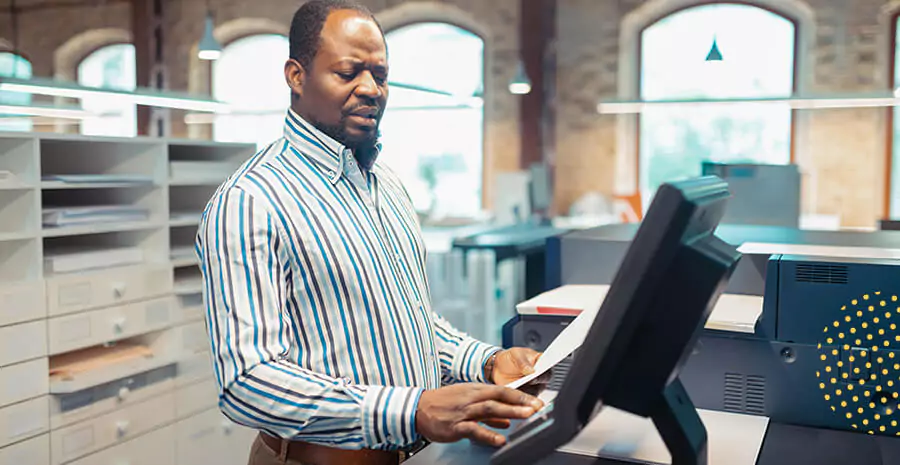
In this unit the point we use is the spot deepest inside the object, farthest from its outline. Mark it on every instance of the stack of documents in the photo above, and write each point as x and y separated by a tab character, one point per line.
98	178
68	216
71	260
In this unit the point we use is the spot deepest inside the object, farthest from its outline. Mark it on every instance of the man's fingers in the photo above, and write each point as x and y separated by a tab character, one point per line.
493	409
498	423
476	432
525	359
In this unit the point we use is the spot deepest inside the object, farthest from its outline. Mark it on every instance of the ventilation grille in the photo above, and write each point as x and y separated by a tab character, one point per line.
559	374
821	273
745	394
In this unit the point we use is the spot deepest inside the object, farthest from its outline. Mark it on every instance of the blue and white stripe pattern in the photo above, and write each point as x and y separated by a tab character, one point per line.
317	304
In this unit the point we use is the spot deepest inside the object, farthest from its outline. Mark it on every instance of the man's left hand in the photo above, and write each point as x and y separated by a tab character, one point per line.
514	363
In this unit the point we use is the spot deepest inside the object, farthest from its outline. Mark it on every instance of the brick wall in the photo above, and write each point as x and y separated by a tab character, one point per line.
841	151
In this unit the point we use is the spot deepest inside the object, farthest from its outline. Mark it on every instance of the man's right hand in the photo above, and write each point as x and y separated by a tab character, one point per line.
454	412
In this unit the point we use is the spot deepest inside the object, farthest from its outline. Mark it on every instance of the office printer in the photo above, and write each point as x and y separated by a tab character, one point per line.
824	351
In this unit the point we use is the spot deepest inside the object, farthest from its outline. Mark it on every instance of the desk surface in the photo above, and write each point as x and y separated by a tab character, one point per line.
783	445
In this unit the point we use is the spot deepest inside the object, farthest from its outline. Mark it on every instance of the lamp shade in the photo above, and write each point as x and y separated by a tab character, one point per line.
520	84
714	53
209	48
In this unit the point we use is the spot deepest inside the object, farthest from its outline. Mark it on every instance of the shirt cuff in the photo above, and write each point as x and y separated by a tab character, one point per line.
468	365
389	416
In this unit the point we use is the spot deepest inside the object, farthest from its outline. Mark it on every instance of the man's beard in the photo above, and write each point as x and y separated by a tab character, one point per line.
364	150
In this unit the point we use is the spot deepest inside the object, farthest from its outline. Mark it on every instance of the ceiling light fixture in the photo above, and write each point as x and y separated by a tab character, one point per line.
209	48
520	85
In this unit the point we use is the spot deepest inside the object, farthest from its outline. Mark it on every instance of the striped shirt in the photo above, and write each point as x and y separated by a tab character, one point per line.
317	303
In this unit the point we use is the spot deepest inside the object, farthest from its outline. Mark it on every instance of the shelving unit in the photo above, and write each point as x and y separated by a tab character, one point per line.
103	352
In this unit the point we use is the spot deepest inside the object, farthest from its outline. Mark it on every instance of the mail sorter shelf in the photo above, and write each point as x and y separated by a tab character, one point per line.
73	255
201	164
91	211
19	165
94	366
77	160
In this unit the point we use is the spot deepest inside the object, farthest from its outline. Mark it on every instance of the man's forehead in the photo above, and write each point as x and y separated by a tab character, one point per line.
349	31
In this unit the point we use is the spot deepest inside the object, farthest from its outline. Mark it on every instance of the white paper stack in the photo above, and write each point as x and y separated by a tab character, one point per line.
68	216
72	260
185	171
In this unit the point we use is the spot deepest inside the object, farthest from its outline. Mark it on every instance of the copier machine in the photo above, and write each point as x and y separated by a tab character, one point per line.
824	354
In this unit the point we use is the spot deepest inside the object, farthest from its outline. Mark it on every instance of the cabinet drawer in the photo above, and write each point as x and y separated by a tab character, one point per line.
23	381
86	291
194	368
154	448
196	397
24	420
84	438
34	451
22	302
72	332
210	437
22	342
68	409
192	337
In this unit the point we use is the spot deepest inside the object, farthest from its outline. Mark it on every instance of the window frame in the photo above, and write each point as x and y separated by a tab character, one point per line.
639	74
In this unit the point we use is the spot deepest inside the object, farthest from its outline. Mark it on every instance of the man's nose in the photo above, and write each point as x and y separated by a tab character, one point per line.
368	87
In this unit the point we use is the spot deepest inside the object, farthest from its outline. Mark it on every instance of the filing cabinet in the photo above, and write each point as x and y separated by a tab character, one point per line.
90	328
24	420
89	436
22	302
34	451
84	291
23	342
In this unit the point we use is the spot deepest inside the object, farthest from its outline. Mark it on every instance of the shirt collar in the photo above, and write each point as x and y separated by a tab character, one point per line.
318	146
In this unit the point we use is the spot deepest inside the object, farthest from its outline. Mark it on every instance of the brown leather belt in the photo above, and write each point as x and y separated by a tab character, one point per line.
314	454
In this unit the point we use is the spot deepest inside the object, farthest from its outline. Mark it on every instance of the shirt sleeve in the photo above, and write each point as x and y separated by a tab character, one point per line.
462	357
244	263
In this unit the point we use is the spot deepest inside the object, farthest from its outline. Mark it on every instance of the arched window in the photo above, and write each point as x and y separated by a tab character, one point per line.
433	137
15	66
894	194
757	51
109	67
249	74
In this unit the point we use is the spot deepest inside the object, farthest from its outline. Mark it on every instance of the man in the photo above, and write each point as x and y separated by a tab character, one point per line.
318	308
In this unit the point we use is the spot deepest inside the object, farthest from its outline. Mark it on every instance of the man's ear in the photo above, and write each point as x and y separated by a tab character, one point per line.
295	76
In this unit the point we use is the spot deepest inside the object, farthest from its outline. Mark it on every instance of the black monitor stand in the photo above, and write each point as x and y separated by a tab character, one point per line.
680	426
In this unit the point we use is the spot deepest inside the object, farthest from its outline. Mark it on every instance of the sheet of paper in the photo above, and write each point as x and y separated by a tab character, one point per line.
736	312
819	250
568	340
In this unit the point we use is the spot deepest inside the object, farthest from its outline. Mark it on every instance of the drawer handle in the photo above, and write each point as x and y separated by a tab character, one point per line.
119	326
123	393
119	290
121	429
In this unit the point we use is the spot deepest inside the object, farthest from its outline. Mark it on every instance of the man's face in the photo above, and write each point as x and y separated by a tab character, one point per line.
344	91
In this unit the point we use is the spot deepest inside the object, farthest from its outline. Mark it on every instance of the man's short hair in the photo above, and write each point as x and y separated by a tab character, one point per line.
306	27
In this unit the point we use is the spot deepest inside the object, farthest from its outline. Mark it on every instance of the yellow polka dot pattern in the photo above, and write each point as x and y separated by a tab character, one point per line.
860	375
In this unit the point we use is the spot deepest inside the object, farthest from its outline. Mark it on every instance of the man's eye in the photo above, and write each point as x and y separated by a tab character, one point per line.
347	76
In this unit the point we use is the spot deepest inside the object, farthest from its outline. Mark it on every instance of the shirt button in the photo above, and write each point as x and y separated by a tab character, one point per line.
345	380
